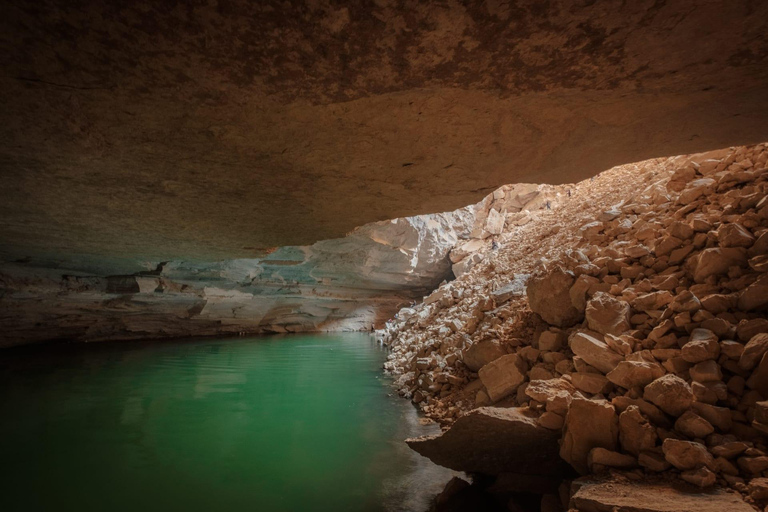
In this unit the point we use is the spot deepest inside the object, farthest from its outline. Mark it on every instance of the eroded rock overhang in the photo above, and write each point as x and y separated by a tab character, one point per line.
209	131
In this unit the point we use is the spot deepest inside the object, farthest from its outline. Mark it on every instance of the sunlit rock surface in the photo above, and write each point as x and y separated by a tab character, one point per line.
351	283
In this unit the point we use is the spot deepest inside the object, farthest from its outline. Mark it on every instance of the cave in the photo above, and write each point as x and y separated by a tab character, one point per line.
384	255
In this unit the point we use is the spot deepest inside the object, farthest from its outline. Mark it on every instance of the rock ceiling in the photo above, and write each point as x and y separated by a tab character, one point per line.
216	129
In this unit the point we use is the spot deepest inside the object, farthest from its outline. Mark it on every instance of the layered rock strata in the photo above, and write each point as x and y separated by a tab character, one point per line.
631	319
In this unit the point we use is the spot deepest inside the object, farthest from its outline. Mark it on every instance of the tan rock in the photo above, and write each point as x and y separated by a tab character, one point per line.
590	383
481	353
552	341
549	296
700	477
670	393
636	433
753	351
594	351
607	315
686	454
694	426
652	301
653	461
717	260
611	459
755	297
758	488
707	371
702	345
502	376
551	420
719	417
593	494
734	235
555	393
589	424
629	374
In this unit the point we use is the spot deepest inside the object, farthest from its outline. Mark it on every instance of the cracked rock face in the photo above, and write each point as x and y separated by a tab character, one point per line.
216	130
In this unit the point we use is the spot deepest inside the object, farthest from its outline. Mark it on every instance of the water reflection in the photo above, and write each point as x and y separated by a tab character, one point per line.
269	424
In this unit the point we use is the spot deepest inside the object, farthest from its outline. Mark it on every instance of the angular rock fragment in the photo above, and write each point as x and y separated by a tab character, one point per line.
594	351
589	424
607	315
549	296
670	393
481	353
686	454
502	376
491	441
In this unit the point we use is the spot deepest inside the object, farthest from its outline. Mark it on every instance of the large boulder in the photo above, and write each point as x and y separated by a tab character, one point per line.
549	296
716	261
481	353
670	393
607	315
502	376
594	351
589	424
595	494
493	440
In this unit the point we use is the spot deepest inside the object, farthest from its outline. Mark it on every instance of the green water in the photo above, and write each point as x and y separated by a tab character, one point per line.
293	423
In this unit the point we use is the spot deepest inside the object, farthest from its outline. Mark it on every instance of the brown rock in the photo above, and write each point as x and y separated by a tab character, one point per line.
755	297
717	261
492	440
636	434
602	457
686	454
734	235
694	426
549	296
753	351
552	341
556	393
700	477
629	374
702	345
607	315
670	393
707	371
593	494
590	383
758	488
481	353
502	376
589	424
594	351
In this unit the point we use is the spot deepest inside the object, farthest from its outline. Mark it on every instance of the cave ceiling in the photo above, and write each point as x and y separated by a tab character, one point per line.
218	129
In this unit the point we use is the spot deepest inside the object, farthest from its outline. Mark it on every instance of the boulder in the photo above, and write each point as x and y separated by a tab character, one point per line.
549	296
610	459
491	441
590	383
755	296
607	315
589	424
555	393
686	454
551	341
700	477
693	425
636	433
481	353
594	351
629	374
596	494
502	376
702	345
734	235
717	260
670	393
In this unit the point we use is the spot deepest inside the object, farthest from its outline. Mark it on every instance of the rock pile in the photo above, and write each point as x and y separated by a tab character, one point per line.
642	335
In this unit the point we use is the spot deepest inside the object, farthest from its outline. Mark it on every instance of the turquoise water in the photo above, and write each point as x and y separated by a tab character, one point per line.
291	423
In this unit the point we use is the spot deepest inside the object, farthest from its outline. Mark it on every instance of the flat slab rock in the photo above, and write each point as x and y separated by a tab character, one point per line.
495	440
595	495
